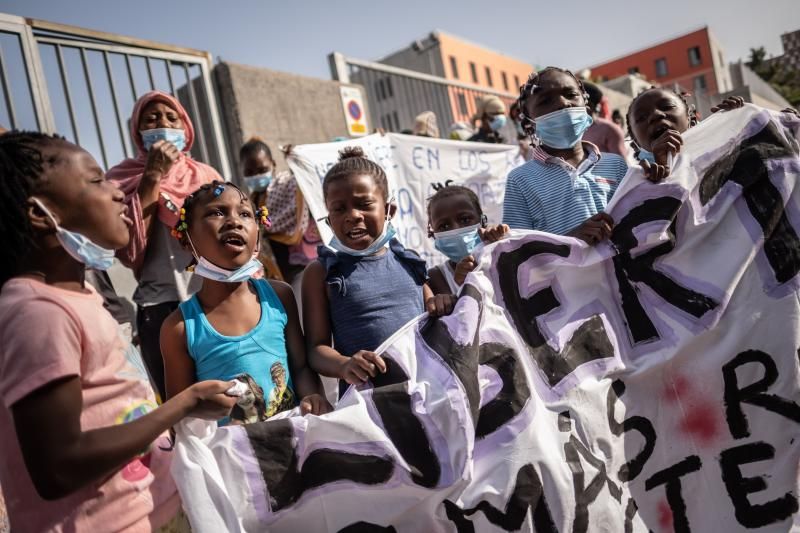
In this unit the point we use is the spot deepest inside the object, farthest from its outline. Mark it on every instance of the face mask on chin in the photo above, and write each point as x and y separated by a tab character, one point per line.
381	241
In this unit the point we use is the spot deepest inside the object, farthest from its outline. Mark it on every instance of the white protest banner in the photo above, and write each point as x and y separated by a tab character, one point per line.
649	383
413	164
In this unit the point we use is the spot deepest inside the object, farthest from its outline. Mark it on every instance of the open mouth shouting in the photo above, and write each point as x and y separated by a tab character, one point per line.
234	241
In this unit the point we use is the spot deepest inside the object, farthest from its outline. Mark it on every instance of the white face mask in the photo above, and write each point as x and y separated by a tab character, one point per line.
207	269
79	246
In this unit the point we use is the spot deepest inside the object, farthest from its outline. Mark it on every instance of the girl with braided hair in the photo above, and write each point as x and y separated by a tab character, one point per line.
567	183
234	324
84	446
371	286
656	118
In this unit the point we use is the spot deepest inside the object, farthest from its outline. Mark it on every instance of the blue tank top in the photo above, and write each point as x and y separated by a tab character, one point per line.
371	297
261	352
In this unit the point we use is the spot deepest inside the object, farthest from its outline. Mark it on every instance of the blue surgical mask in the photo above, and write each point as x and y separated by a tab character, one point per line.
80	247
563	128
383	239
259	182
497	122
207	269
645	155
458	243
175	136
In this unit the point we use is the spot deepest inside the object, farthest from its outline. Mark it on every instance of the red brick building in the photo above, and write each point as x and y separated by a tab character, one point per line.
694	61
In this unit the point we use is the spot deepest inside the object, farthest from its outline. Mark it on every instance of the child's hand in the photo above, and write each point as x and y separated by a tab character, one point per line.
594	229
315	404
464	267
494	232
441	304
361	366
731	102
653	171
209	401
669	142
791	110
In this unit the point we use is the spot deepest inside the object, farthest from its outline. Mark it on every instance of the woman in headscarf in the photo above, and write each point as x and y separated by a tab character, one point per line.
155	184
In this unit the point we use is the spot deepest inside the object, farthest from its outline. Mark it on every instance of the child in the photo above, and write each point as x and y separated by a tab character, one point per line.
566	185
656	118
457	224
78	423
234	325
371	286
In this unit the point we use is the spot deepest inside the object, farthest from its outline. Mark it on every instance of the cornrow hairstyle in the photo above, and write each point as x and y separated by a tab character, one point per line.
352	161
205	193
691	112
22	166
253	146
529	88
448	190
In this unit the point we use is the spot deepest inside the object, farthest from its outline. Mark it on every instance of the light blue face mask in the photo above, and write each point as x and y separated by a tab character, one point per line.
563	128
497	123
259	182
207	269
80	247
175	136
645	155
458	243
383	239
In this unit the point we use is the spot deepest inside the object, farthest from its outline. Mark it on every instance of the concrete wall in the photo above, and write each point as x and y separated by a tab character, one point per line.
280	108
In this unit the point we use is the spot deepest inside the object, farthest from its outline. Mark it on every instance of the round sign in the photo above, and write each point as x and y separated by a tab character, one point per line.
354	109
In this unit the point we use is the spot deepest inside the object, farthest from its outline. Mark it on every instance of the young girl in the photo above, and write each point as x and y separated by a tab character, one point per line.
371	286
567	183
457	224
78	423
656	118
234	324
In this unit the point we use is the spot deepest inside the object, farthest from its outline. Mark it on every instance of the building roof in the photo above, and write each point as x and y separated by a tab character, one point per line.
647	47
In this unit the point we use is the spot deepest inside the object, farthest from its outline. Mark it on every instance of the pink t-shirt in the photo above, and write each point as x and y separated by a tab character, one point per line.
48	333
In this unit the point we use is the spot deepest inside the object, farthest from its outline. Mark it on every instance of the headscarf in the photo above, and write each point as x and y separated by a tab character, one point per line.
425	124
183	178
488	105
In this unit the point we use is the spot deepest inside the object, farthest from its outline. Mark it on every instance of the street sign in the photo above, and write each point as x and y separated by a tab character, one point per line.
354	115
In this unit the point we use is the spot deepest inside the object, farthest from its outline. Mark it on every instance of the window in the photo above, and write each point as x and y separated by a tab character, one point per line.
700	83
505	80
721	59
694	56
633	70
462	104
454	67
389	92
474	72
396	121
661	67
517	84
488	77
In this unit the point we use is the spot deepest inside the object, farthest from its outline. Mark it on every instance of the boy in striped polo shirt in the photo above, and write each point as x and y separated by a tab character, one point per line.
567	183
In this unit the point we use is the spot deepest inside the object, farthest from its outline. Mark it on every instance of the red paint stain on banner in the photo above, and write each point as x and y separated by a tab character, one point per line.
702	423
665	516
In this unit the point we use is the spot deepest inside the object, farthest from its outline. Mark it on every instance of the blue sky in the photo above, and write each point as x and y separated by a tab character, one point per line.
296	36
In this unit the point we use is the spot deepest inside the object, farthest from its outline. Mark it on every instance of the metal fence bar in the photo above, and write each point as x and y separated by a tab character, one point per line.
67	94
169	77
198	119
7	92
123	134
93	103
130	77
149	73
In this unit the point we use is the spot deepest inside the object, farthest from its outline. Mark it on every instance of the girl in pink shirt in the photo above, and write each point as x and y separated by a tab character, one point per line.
83	444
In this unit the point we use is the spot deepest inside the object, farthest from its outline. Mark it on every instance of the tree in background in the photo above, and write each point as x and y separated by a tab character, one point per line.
783	79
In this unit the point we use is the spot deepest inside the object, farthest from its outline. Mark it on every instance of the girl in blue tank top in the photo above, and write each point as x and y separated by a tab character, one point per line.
357	297
236	326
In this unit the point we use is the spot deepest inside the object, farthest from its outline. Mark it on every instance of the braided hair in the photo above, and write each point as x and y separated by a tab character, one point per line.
447	190
22	166
352	161
529	88
691	113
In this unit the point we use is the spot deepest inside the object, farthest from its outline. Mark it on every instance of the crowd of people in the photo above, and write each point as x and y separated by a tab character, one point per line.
86	426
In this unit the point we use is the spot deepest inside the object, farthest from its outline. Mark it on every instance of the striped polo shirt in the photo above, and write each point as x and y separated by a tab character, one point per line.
549	194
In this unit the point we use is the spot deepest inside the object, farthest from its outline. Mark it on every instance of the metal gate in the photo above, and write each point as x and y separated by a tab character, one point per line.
395	95
82	84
